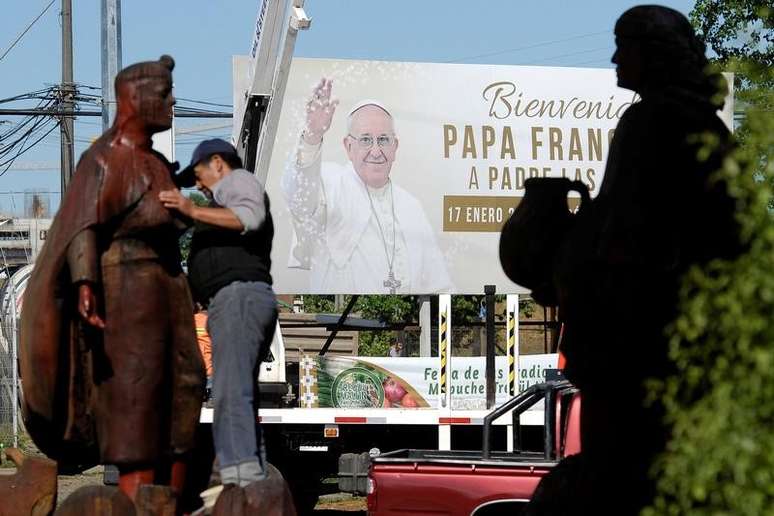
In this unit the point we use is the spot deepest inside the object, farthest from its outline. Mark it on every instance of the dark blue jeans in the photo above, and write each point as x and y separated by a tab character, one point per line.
241	320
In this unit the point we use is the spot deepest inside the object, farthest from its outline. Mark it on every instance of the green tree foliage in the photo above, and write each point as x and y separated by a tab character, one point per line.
467	308
319	304
720	402
401	309
388	309
739	30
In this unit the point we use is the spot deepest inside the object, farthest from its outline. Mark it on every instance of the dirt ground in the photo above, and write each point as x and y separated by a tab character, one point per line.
341	503
338	504
68	484
329	505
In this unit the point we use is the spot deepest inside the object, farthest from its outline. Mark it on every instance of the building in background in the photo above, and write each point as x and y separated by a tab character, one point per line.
21	239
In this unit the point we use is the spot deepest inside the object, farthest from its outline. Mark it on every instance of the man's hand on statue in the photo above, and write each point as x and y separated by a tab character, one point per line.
87	306
319	112
177	201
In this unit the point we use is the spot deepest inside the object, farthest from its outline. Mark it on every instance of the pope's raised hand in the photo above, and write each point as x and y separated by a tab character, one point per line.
319	112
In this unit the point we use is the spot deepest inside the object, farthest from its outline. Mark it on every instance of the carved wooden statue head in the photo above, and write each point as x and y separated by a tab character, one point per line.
658	48
144	95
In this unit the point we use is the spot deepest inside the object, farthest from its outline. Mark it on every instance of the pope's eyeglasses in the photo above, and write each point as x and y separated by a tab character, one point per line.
366	141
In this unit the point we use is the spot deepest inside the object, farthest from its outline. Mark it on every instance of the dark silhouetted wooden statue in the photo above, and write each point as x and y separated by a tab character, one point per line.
110	367
616	272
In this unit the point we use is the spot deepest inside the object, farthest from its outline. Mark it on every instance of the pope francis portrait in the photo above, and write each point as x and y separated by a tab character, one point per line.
356	230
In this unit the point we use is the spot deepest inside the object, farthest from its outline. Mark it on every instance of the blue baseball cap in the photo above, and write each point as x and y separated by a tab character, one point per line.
186	178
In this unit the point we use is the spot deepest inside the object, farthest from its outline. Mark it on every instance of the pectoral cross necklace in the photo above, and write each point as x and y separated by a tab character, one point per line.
391	282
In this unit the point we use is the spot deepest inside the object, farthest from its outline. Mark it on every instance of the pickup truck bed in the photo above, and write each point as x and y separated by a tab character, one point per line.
434	482
481	482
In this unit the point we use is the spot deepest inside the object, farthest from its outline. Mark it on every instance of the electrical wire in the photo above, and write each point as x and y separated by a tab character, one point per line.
570	54
20	36
20	142
7	164
45	93
31	130
204	102
528	47
592	61
98	98
31	119
19	137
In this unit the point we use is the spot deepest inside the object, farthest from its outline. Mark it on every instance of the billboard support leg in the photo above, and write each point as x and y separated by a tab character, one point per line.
444	351
444	437
489	290
341	320
512	344
425	330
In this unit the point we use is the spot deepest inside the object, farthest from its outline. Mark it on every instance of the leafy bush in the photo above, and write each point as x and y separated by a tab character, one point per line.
720	402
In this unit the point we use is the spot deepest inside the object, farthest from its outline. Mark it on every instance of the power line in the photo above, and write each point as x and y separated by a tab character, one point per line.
201	128
560	56
20	36
45	93
217	104
16	140
89	122
592	61
35	166
22	150
52	109
179	113
536	45
98	98
55	93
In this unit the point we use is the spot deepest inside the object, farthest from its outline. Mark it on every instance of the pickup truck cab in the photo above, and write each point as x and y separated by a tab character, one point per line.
482	482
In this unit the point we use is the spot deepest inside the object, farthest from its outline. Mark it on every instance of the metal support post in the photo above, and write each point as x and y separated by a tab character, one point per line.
341	321
424	326
444	349
111	57
512	328
491	386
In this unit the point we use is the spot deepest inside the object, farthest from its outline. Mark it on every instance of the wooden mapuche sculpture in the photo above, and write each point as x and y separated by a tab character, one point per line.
616	270
110	367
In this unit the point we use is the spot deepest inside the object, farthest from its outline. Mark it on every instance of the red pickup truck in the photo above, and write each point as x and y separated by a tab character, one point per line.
478	483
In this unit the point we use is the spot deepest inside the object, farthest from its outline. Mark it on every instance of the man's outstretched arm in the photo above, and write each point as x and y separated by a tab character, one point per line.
240	198
221	217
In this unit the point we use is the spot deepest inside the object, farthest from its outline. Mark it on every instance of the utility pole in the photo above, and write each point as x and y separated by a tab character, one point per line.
111	57
67	90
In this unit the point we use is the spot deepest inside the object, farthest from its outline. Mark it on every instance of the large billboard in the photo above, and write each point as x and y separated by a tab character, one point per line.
419	167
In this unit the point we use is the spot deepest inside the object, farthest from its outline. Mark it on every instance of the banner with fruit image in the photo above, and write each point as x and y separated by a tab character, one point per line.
344	382
410	382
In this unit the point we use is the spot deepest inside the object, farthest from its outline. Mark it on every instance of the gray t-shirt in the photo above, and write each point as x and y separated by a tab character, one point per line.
241	192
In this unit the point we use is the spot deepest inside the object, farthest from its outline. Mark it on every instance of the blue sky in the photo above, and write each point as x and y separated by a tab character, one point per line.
202	35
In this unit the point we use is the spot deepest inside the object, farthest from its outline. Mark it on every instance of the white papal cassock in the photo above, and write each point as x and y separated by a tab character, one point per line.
337	235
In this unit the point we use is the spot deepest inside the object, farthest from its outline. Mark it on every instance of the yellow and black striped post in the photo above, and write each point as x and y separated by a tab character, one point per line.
443	348
511	353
